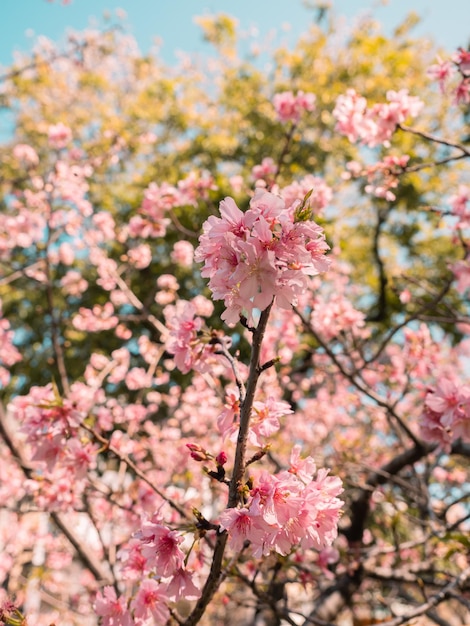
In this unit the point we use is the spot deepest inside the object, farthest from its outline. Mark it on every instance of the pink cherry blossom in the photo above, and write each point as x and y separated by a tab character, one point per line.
265	171
9	354
462	59
73	283
289	107
183	253
441	71
181	586
265	419
140	256
461	270
97	319
112	609
319	198
59	135
26	154
243	528
161	548
446	414
150	602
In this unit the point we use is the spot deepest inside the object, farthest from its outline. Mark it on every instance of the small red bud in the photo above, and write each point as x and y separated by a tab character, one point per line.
221	458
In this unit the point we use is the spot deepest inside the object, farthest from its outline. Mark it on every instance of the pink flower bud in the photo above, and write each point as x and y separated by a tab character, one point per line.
197	453
221	458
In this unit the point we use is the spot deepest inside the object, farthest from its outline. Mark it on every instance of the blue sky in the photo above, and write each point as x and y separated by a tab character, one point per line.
448	21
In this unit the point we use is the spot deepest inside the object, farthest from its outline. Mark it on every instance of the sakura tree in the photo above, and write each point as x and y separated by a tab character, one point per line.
234	337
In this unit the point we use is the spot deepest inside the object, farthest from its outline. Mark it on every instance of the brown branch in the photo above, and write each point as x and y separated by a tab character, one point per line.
246	407
433	601
434	139
216	575
380	314
423	166
360	506
179	226
337	595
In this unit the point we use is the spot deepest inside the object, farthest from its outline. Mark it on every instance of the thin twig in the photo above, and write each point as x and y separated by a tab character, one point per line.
131	465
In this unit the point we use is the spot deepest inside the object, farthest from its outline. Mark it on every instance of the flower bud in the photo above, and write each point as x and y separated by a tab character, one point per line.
221	458
197	453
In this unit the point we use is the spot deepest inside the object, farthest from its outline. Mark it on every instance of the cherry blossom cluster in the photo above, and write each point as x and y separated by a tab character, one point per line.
375	125
319	193
59	135
461	271
290	107
296	507
460	211
152	220
265	253
334	315
51	423
190	351
9	354
264	173
444	69
382	176
460	206
154	560
446	415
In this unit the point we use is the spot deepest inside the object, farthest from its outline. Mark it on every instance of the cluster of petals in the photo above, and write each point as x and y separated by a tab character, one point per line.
160	199
161	548
265	253
59	135
184	325
265	172
462	60
264	420
335	315
382	176
319	198
299	507
26	154
97	319
9	354
51	425
441	71
375	125
111	609
444	69
21	230
151	603
460	206
461	271
290	107
446	415
68	184
182	253
155	550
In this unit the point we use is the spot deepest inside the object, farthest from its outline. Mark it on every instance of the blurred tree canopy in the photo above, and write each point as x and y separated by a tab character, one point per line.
138	121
